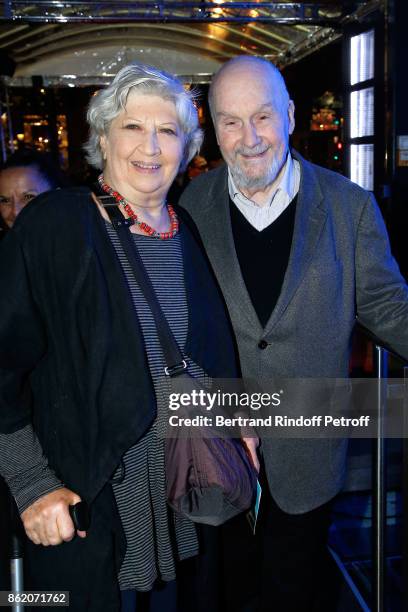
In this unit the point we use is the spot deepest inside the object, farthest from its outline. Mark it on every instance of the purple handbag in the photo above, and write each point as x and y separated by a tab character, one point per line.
209	479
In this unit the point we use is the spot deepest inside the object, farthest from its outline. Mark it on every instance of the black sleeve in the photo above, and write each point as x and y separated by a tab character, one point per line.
22	335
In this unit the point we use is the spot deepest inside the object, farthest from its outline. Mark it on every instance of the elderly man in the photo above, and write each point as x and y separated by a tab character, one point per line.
299	252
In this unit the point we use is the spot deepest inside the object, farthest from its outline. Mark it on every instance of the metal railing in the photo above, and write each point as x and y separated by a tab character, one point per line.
379	488
324	14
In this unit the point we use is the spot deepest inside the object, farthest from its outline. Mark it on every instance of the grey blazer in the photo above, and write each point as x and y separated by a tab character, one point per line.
340	268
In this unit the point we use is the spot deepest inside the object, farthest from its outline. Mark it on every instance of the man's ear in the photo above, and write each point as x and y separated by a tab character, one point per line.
291	116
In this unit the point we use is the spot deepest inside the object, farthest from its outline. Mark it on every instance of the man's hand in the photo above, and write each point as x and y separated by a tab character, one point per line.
47	520
251	445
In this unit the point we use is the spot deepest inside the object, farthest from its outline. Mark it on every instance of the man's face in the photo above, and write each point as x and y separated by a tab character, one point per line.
253	120
18	186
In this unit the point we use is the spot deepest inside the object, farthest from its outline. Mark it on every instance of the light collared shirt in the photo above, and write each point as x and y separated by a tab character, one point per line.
262	216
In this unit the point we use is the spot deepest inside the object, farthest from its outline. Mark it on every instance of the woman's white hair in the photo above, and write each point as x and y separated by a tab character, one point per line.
137	78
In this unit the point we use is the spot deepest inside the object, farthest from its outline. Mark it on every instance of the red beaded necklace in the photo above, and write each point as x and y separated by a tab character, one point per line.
174	223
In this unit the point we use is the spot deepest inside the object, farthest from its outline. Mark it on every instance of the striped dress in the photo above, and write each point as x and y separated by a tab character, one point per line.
155	536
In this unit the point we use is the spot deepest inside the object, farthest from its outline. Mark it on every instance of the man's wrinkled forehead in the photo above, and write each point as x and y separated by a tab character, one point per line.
248	78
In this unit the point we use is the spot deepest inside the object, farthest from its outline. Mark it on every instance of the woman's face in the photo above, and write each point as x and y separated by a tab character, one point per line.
17	187
143	149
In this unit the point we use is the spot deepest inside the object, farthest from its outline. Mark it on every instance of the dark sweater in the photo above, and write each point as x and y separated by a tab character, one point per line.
263	255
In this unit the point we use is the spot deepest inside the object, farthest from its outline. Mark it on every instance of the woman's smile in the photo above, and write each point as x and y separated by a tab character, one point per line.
146	167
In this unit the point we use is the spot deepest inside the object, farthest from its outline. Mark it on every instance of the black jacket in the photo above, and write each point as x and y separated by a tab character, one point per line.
71	350
72	359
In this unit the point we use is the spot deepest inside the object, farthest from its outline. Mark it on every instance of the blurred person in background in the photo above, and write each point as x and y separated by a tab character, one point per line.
25	174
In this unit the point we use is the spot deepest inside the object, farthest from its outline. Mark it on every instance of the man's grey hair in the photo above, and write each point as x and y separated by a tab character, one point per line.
140	79
281	93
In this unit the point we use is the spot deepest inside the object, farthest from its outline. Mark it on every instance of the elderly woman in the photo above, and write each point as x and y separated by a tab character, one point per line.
81	361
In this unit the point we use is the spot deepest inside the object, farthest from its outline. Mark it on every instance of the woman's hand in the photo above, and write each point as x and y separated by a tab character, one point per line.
251	445
47	521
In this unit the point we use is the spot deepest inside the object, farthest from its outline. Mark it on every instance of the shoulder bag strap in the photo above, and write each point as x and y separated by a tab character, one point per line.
175	362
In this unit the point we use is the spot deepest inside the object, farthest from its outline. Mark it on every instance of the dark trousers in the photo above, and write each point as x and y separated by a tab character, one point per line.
198	586
283	568
163	597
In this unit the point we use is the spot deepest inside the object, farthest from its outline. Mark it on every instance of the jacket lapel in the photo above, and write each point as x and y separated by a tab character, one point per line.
214	221
310	219
216	231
